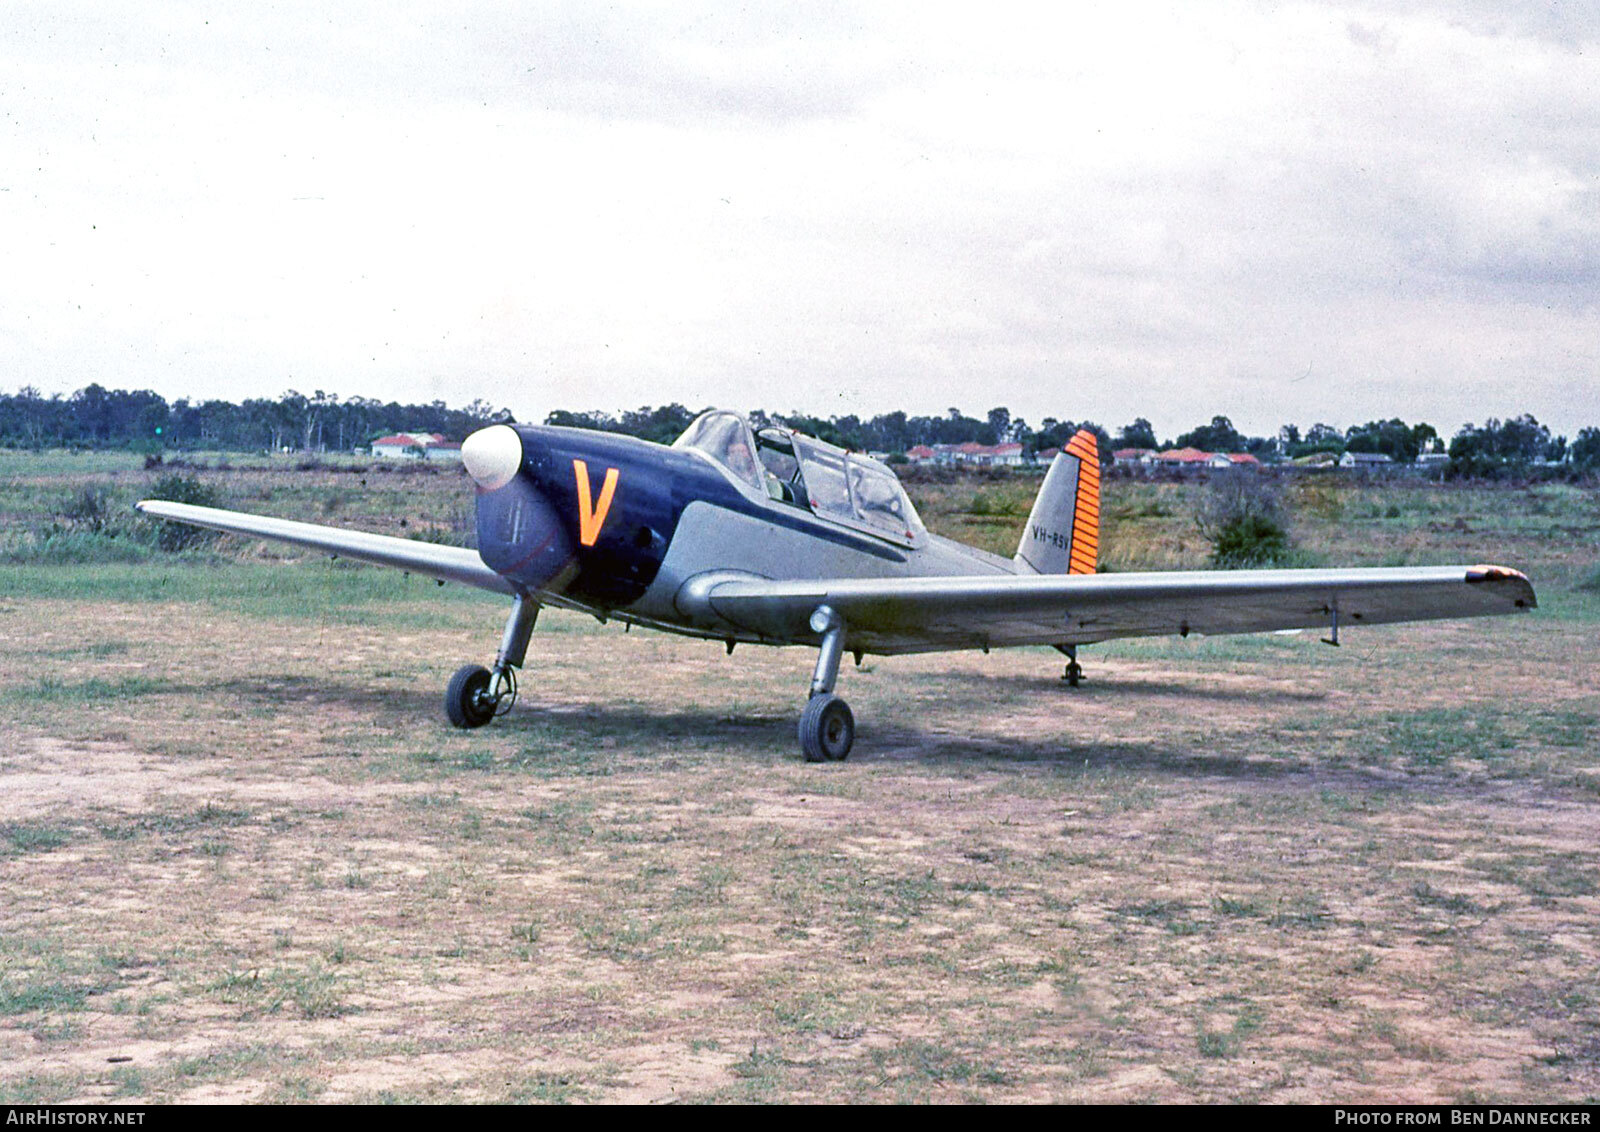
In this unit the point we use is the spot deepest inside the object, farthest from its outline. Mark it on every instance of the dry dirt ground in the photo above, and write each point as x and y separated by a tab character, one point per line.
243	859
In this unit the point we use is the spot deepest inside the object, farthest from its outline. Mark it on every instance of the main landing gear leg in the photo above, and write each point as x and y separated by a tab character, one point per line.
1074	673
476	695
827	729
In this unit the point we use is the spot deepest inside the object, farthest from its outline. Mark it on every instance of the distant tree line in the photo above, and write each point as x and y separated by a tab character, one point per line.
95	417
890	432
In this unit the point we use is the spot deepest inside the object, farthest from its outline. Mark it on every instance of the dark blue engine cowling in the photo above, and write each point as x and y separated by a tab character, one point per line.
522	536
531	528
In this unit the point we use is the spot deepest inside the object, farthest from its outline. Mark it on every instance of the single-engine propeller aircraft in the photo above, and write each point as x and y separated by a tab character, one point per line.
767	536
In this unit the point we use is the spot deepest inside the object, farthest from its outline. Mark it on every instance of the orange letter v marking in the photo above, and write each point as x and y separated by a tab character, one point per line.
592	516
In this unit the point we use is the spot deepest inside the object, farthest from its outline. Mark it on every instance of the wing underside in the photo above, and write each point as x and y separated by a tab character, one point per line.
447	563
932	614
903	615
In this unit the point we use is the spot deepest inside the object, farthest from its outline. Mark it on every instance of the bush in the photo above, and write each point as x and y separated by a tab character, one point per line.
179	488
1242	516
1249	540
91	510
92	525
60	547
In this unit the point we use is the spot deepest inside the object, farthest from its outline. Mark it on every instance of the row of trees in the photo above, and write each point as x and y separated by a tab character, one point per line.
1394	438
1520	441
1477	451
95	417
890	432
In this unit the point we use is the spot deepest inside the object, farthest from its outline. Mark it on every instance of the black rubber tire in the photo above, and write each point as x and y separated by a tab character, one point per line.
465	701
827	729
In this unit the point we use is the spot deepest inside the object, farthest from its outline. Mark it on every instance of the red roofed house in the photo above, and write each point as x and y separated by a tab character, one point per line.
996	455
972	454
989	455
1194	458
1187	457
415	446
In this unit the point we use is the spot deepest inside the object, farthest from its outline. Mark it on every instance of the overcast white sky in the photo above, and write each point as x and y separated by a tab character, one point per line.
1274	211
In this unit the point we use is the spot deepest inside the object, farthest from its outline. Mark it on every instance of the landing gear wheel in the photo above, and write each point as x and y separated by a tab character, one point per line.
1074	674
467	701
827	729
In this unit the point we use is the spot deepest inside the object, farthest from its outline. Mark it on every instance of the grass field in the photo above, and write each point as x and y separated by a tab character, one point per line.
243	858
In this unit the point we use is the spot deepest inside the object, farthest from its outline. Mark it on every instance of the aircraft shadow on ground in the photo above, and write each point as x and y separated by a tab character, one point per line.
316	690
1125	687
633	730
905	744
295	689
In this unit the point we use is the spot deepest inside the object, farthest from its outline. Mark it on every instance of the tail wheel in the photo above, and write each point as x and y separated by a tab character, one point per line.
467	701
827	729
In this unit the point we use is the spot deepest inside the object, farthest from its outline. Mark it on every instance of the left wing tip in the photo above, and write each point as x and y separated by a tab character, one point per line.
1484	572
1488	573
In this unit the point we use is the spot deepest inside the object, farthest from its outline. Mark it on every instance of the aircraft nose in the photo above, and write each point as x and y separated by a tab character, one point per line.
492	456
521	535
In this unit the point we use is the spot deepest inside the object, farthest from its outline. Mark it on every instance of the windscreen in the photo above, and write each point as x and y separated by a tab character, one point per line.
726	439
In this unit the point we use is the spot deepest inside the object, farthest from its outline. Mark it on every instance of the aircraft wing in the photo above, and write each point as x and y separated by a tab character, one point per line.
449	563
893	615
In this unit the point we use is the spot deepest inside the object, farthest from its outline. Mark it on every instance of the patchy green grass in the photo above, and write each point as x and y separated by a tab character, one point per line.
316	591
238	845
308	992
1437	736
33	837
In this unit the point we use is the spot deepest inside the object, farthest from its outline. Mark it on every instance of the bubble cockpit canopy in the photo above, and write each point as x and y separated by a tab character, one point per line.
727	439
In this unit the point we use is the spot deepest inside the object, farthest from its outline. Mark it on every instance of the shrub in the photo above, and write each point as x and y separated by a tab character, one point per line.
92	525
1242	516
91	510
1249	540
60	546
179	488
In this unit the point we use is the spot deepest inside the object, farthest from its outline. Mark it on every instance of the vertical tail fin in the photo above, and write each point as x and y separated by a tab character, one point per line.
1063	531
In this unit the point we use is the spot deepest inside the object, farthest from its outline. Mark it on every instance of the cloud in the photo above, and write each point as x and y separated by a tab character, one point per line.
1100	211
1564	24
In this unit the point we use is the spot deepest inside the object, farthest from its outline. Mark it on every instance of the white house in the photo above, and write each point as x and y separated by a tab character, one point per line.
1364	460
970	454
416	446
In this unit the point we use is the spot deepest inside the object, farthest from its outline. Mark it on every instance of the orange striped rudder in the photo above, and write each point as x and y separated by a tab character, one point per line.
1063	531
1085	553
